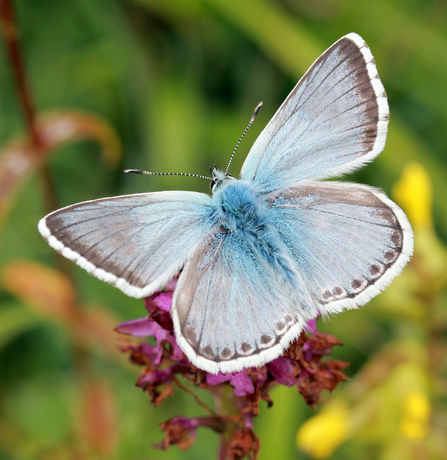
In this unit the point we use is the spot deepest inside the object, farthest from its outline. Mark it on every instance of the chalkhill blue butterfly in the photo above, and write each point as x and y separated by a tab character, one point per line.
271	250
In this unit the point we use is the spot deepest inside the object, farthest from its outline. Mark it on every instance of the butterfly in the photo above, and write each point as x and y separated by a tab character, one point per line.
273	249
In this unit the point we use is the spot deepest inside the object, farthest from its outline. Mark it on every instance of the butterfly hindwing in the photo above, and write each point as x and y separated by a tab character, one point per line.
348	240
332	122
231	309
135	242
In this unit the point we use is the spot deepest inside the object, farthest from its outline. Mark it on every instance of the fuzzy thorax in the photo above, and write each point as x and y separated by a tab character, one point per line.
243	213
238	207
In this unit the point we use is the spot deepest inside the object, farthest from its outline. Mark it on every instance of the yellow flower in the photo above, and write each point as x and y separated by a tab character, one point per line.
415	420
414	193
322	434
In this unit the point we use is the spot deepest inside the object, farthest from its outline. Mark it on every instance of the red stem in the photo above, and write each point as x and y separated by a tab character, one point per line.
11	34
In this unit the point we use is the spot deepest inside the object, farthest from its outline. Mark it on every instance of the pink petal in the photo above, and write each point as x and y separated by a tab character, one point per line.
141	327
242	384
282	370
213	379
164	301
312	325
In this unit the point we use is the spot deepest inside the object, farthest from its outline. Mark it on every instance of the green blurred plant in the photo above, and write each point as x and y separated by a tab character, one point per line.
176	79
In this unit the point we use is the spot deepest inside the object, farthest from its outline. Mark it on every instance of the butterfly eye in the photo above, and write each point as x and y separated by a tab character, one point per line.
215	184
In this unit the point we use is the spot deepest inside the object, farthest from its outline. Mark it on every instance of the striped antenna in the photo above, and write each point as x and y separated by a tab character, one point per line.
150	173
252	119
139	171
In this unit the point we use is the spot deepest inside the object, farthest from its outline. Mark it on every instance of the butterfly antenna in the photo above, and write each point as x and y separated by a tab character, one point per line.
139	171
252	119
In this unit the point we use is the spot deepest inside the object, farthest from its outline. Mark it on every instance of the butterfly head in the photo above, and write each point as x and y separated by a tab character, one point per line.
219	178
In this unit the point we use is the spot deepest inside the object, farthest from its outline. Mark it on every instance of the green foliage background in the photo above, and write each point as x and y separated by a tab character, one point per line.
178	80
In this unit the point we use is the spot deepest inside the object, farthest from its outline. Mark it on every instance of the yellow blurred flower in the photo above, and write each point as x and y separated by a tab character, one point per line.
416	414
414	193
322	434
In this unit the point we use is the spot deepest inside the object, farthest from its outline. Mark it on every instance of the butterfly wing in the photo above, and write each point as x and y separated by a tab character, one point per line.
135	242
230	310
349	241
333	121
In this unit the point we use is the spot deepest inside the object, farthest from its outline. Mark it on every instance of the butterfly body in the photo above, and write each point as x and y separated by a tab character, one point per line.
244	214
270	250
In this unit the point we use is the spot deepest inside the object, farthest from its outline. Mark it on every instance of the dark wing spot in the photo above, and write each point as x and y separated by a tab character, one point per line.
375	271
226	353
265	339
246	347
390	256
207	352
356	284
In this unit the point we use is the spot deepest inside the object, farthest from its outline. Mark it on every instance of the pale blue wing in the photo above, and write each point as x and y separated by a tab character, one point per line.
349	241
333	121
231	309
135	242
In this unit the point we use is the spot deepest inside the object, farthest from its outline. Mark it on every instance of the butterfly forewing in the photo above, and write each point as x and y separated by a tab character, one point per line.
333	121
135	242
349	241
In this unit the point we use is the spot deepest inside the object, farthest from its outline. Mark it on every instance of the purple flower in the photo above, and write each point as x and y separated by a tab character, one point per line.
179	430
141	328
240	381
312	325
158	324
182	431
283	371
301	366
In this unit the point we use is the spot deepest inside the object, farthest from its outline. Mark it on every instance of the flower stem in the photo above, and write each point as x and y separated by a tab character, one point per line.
198	400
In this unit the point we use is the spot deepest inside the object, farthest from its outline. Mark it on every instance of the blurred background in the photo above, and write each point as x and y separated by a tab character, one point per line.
169	85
